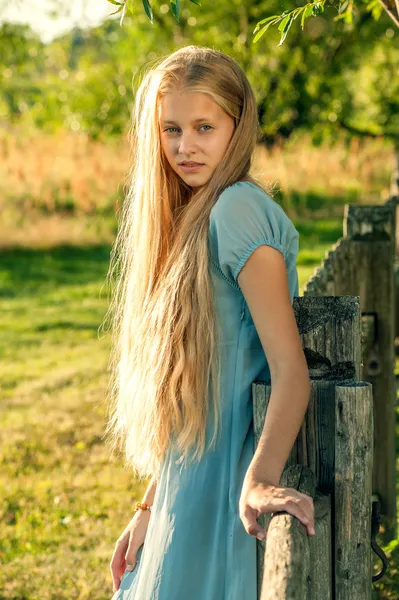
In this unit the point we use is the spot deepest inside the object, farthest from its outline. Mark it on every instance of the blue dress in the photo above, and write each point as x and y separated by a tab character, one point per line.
196	547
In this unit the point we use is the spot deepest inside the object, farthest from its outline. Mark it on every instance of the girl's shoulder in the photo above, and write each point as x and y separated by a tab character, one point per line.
243	218
243	201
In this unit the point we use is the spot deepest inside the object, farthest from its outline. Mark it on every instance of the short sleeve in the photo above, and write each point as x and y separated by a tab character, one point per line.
243	218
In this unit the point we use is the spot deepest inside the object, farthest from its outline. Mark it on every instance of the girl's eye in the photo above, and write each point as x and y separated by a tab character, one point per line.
169	128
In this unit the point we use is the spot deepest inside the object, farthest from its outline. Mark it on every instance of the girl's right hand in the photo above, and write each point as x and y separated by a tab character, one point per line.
259	497
128	544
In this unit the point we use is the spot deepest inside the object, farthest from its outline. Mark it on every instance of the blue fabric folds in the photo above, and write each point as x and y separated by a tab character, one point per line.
196	547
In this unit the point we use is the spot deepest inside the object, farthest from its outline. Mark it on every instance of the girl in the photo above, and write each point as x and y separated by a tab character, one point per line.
207	276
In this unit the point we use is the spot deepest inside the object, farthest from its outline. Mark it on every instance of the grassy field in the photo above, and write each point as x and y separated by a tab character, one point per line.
63	502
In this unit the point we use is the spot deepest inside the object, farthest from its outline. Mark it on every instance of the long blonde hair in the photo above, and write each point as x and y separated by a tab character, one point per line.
165	330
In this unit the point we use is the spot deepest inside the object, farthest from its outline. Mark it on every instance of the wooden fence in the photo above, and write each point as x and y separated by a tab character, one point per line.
344	455
362	263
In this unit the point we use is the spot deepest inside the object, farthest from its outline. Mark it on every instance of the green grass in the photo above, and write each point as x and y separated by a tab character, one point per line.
63	502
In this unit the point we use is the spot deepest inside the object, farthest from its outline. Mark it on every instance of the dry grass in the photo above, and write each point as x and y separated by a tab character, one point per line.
33	165
66	188
364	168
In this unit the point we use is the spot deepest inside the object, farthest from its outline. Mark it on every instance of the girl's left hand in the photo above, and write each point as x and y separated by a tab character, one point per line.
258	497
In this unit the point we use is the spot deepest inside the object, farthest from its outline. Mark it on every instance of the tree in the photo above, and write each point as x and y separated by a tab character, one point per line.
348	89
348	10
323	82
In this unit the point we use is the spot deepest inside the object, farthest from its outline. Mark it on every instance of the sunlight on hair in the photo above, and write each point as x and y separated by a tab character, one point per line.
165	359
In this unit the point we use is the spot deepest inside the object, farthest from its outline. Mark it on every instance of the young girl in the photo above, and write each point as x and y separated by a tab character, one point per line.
207	275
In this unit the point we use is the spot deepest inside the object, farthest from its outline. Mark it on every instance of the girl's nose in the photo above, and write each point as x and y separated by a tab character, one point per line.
186	143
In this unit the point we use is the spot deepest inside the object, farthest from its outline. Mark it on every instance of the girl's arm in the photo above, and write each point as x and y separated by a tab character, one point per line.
264	283
148	497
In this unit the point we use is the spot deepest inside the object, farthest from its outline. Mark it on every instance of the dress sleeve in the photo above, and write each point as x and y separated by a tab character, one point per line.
243	218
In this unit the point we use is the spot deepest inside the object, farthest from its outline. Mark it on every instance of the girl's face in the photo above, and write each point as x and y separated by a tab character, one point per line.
193	128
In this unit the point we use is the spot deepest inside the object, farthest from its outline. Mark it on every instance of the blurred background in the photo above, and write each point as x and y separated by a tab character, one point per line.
328	101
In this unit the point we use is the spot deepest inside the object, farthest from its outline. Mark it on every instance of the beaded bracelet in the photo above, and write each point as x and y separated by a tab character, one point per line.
142	506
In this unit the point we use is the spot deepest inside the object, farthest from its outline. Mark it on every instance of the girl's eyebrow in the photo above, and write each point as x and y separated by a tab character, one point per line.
167	122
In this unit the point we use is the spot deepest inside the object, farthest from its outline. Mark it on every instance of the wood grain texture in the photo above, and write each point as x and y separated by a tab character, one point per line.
363	263
298	566
353	491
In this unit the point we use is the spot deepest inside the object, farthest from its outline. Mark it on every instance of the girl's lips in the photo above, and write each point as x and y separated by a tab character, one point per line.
191	169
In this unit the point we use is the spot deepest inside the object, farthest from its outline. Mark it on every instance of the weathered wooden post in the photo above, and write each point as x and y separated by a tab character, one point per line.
291	564
297	565
362	264
370	231
353	490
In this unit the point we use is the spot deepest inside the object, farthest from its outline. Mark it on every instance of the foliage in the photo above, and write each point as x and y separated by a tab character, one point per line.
346	9
313	9
323	81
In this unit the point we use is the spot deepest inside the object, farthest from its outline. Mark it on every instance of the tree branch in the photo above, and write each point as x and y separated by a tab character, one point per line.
390	13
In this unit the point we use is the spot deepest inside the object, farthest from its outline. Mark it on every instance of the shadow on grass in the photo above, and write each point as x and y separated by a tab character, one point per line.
313	232
32	271
68	325
26	271
306	204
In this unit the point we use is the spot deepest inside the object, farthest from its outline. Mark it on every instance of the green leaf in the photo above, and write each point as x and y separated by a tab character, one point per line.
285	30
349	17
377	11
117	11
197	2
123	14
263	30
375	8
115	2
148	10
264	21
318	8
289	12
175	8
283	23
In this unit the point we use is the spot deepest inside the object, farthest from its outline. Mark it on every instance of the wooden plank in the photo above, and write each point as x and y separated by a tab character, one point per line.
320	546
353	490
330	330
369	271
